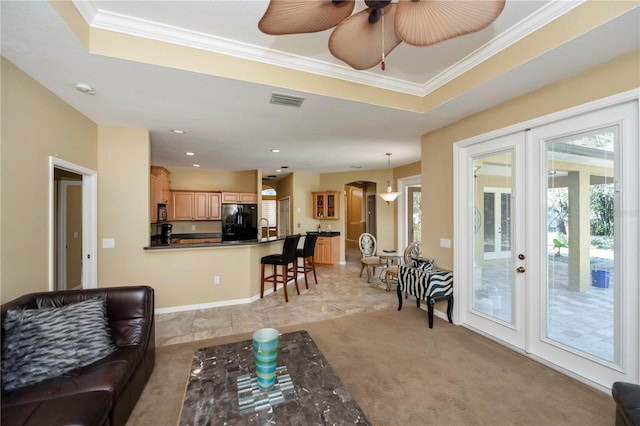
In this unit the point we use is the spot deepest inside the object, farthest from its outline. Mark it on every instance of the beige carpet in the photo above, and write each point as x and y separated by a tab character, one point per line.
403	373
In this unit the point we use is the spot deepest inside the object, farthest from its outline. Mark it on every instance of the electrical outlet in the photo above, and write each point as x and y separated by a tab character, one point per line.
216	280
193	227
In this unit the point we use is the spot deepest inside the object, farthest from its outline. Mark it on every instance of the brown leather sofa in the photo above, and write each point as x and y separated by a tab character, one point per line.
104	392
627	398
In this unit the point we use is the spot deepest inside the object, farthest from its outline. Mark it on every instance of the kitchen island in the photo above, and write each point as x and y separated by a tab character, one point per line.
209	275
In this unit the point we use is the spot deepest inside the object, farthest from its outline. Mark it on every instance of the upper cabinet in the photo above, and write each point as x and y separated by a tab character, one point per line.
240	197
190	205
159	190
182	205
326	205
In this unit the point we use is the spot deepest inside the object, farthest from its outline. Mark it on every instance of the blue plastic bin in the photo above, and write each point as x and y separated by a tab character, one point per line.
600	278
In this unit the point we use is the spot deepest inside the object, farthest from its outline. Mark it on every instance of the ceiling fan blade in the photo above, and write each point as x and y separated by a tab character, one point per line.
303	16
427	22
359	43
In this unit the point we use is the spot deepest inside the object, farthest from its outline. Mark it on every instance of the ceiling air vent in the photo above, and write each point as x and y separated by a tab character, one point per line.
286	100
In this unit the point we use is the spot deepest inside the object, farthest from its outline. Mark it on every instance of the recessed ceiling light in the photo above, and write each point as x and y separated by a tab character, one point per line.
196	165
178	131
190	154
284	167
275	150
278	170
85	88
356	167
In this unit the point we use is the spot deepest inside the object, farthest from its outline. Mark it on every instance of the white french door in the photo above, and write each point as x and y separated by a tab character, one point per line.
496	292
549	248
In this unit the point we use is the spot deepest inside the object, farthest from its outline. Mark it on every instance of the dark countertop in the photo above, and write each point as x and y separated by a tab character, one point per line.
176	245
175	238
325	233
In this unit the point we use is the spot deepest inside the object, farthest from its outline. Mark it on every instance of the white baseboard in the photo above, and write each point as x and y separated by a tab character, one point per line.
185	308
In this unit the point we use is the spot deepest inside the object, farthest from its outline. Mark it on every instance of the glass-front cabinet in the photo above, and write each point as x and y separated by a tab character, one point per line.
326	205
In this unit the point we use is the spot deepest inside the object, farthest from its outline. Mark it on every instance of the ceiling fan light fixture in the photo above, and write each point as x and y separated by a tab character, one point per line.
356	39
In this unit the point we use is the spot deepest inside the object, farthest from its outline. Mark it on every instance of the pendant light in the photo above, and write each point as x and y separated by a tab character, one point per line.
389	196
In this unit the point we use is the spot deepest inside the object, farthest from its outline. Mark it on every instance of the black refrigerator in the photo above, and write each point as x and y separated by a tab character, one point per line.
239	222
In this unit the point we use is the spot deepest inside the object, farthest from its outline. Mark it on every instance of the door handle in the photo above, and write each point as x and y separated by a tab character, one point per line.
520	269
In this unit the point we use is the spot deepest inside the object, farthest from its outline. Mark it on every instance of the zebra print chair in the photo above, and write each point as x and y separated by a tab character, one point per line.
431	286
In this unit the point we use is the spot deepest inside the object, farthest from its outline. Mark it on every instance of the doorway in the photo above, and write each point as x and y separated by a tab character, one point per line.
360	211
545	242
409	210
284	217
69	230
85	241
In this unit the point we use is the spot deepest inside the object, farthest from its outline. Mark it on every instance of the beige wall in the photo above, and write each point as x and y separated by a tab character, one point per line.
212	180
181	277
74	236
35	125
302	207
614	77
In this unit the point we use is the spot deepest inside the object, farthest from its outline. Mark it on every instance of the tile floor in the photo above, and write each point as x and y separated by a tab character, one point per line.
340	291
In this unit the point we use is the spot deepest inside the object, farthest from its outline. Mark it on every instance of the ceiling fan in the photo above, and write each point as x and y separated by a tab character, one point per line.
362	40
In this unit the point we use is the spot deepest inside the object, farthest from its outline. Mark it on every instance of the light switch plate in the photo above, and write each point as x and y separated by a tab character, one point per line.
108	243
445	243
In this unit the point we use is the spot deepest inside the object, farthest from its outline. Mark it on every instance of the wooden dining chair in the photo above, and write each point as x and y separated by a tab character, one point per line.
413	250
369	260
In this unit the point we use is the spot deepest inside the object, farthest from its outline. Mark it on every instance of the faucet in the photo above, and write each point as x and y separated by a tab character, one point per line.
260	223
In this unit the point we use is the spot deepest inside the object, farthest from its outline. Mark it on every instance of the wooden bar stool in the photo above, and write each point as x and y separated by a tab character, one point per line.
286	258
306	254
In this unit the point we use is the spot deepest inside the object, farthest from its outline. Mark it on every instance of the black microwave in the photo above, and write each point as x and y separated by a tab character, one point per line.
162	212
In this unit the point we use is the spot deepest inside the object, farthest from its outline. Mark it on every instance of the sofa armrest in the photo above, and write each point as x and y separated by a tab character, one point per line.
627	397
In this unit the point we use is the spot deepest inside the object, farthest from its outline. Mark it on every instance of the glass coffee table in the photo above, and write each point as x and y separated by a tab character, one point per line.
221	388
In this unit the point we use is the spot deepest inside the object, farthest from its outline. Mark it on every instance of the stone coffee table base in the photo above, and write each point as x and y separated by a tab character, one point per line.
212	396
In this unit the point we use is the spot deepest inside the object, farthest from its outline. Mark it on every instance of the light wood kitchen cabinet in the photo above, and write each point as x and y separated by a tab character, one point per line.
182	205
153	203
215	206
327	251
159	190
326	205
240	197
191	205
201	206
162	185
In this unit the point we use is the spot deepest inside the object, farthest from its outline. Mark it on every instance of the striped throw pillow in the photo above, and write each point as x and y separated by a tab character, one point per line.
40	344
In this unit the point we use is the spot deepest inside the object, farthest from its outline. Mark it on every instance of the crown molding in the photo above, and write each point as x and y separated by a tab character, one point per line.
517	32
138	27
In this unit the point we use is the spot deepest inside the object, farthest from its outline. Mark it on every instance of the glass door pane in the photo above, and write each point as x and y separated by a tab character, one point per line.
414	213
581	239
493	267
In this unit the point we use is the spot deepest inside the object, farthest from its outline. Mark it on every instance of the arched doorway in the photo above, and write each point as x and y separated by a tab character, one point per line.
360	211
